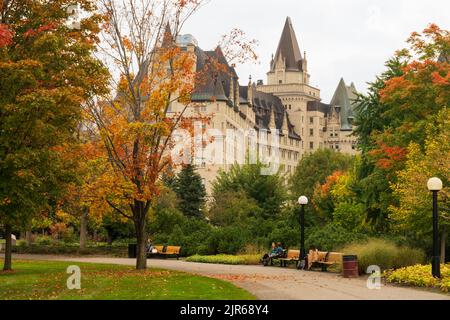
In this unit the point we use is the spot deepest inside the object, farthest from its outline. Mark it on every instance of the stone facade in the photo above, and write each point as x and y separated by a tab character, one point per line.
286	114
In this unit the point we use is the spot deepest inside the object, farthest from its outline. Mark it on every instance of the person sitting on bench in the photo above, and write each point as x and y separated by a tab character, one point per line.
276	252
313	256
150	247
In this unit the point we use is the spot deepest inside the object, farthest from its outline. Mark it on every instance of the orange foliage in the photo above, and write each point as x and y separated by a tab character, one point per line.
388	156
6	36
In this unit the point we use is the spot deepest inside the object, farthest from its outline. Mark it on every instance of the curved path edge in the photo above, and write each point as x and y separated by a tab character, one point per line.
273	283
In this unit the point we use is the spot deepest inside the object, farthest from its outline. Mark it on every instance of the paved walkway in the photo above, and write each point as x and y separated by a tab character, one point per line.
273	283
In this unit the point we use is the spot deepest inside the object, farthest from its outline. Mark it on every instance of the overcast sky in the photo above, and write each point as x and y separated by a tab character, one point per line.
342	38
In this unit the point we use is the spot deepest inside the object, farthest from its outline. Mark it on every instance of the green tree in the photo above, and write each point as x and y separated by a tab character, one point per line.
233	208
47	71
268	191
191	192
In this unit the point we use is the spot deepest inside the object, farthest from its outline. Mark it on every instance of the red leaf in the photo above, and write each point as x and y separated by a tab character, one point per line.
5	36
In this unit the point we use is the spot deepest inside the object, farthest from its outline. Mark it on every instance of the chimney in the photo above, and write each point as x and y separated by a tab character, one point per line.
250	91
236	90
231	93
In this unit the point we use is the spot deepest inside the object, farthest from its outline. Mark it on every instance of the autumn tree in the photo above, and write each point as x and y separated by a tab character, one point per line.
135	123
395	111
82	199
412	215
314	169
47	71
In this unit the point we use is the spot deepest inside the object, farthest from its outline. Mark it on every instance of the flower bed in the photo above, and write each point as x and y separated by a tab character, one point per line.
420	276
248	259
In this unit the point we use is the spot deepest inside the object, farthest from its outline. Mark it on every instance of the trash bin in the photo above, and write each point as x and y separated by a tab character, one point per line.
132	250
350	266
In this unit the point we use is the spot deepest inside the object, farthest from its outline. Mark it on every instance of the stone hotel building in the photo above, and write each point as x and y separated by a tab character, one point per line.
286	109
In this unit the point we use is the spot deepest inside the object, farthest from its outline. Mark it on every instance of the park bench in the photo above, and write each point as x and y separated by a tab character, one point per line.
291	256
166	251
327	259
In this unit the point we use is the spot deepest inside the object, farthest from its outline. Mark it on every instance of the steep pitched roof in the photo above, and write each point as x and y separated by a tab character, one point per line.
267	108
288	49
216	82
167	39
318	106
344	97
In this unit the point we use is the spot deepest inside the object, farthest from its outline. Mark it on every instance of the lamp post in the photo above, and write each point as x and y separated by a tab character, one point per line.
435	185
302	201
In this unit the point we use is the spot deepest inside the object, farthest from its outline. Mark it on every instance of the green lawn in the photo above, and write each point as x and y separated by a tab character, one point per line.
47	280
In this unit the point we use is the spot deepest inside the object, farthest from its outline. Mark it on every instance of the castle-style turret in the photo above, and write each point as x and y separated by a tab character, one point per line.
288	66
288	51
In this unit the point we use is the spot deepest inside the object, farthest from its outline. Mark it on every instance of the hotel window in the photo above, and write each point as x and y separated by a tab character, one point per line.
311	132
289	155
311	145
289	169
311	120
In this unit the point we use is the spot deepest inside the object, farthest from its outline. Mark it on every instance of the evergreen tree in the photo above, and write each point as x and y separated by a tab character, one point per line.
191	192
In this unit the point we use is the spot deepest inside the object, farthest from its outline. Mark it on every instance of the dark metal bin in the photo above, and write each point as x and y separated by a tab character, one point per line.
132	250
350	266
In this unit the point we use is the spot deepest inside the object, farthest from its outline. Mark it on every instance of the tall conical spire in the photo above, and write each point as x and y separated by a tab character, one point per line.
167	36
288	49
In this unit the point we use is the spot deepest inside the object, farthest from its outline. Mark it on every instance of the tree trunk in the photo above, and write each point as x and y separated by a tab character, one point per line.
28	237
8	250
443	238
141	235
83	227
109	238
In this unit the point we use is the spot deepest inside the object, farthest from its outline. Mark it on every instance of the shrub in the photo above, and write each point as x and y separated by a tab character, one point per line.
229	240
331	237
420	276
383	253
71	250
247	259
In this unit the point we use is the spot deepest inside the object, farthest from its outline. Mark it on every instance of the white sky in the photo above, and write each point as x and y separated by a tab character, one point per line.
342	38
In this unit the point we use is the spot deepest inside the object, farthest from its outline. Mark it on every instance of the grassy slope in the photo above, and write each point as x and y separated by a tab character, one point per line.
47	280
